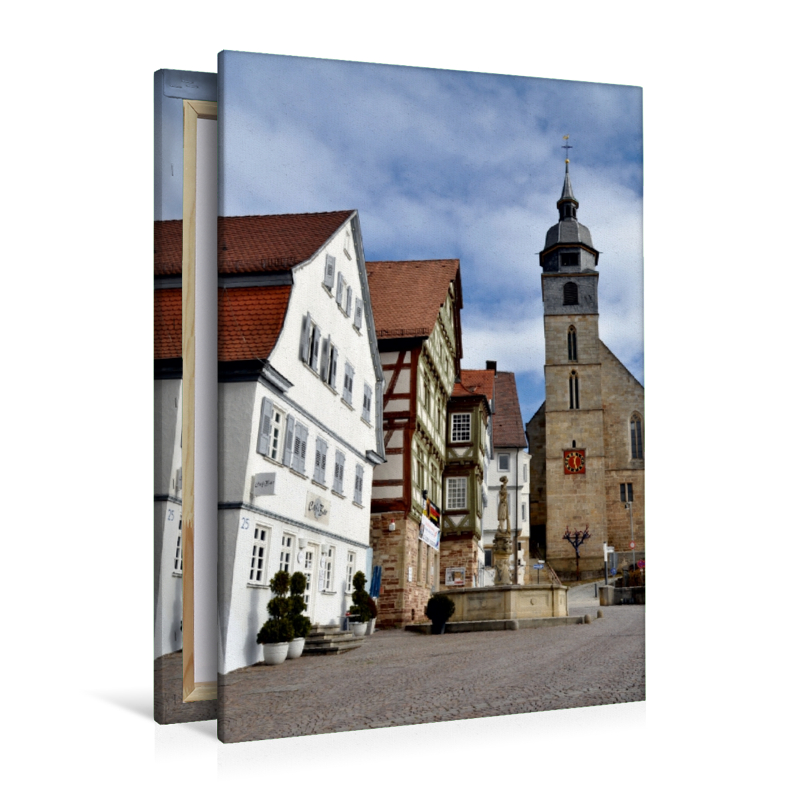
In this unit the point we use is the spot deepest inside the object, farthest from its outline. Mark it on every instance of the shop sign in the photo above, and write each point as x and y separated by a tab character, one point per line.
317	508
429	533
264	483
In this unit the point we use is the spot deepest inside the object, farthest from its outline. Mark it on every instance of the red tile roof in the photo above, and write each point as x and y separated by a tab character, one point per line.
168	246
250	320
167	324
407	295
273	243
475	382
507	427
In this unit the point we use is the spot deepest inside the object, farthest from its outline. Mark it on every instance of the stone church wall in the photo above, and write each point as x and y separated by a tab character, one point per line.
622	396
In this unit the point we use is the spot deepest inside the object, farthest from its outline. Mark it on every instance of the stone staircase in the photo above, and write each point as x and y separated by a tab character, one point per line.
329	640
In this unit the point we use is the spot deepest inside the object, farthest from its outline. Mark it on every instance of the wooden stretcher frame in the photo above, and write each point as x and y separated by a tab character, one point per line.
193	110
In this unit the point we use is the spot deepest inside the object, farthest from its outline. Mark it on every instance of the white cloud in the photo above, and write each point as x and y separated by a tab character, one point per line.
443	164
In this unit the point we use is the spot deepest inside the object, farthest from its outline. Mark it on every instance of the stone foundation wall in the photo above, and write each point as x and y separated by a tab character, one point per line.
459	551
401	601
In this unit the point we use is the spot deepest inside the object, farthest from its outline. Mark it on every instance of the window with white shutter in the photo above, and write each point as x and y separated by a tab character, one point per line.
264	427
314	348
359	487
288	443
333	367
330	269
338	473
349	304
339	289
347	392
366	410
299	449
309	342
320	459
359	313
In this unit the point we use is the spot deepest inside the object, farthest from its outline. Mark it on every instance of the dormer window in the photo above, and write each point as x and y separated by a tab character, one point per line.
570	294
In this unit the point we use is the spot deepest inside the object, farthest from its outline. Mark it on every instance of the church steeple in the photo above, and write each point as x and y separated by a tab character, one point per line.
567	206
568	246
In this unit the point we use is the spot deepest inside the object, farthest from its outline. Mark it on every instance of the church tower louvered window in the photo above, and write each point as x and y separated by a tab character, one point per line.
570	294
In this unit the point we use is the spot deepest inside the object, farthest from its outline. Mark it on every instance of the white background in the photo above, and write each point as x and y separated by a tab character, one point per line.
720	277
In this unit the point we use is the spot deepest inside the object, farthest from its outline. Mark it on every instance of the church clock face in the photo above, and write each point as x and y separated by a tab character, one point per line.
574	462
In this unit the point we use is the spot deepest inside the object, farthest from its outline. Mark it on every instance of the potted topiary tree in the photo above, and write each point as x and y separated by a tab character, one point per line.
277	632
361	610
438	610
300	623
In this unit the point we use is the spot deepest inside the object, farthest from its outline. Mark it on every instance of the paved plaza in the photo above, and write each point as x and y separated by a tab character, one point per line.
400	678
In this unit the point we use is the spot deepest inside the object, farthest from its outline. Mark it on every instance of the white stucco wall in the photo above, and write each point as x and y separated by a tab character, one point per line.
167	516
322	410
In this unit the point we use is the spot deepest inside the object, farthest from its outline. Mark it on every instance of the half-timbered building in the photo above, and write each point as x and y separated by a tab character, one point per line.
416	306
467	456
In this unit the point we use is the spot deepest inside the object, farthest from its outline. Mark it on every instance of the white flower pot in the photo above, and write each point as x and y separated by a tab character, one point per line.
358	628
371	627
296	648
275	653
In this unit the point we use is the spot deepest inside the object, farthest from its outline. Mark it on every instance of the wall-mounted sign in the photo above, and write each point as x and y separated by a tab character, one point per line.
317	508
455	576
574	462
263	483
429	533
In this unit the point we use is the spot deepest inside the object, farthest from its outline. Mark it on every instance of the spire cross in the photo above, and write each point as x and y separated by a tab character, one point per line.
567	146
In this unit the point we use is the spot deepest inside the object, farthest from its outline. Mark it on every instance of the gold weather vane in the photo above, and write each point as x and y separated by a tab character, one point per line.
567	147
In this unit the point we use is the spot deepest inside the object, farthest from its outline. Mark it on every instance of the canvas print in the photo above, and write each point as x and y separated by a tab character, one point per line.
431	402
184	671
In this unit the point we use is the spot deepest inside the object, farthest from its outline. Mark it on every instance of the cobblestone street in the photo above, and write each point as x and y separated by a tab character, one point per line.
400	678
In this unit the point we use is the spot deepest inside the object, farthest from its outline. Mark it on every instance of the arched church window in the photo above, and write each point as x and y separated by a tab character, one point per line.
570	294
636	437
572	343
574	396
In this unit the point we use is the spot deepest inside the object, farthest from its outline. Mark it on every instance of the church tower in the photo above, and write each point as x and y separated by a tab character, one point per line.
574	454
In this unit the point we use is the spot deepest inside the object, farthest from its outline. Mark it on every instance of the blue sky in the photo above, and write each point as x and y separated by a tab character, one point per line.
444	164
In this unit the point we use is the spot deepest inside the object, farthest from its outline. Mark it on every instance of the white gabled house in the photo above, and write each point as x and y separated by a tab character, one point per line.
300	431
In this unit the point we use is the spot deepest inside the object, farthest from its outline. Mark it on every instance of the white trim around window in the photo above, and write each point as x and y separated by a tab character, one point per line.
456	493
460	427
